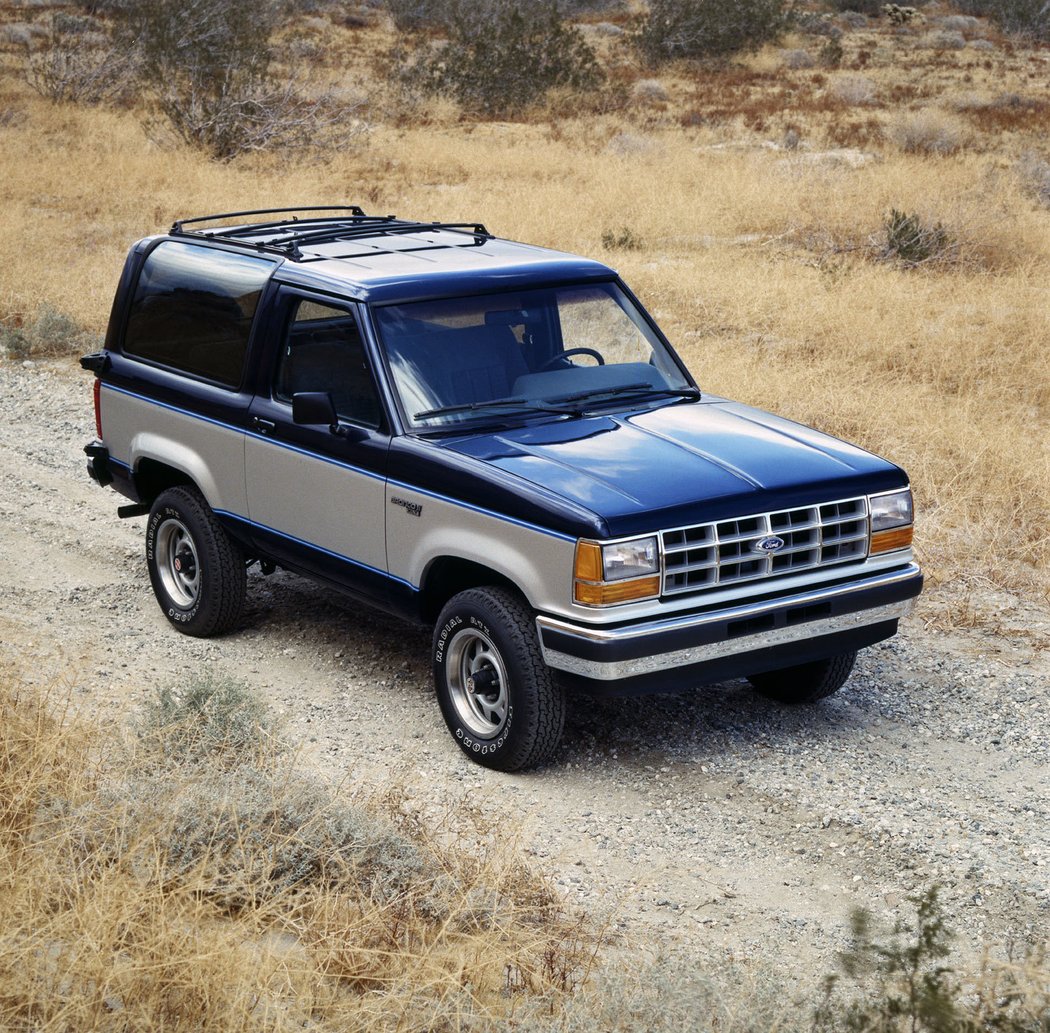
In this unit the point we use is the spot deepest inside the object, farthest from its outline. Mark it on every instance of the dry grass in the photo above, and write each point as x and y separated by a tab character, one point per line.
758	261
140	894
138	891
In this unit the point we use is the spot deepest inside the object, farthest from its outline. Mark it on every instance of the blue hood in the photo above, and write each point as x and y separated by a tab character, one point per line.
682	464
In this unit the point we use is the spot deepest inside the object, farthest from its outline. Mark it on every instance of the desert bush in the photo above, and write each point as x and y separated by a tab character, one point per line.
1026	19
854	90
854	19
959	23
868	7
623	239
796	59
78	63
897	15
51	333
649	91
817	24
709	28
913	242
505	58
926	132
207	69
1033	170
412	15
209	717
944	40
14	34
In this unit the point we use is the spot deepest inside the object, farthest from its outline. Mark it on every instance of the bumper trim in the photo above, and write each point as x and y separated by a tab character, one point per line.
612	654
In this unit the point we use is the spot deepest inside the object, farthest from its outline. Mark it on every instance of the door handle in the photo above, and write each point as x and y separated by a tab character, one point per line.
263	426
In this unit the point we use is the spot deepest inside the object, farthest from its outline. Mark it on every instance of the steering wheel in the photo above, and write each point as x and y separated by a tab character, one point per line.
551	363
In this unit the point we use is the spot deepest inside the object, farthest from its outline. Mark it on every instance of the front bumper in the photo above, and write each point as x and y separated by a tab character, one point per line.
731	642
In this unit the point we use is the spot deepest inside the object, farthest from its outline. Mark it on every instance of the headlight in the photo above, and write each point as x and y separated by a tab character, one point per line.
630	559
620	572
892	516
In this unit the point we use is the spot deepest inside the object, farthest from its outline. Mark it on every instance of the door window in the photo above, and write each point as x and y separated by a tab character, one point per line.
323	351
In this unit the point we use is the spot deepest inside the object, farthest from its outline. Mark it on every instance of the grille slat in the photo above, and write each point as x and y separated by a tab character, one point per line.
720	553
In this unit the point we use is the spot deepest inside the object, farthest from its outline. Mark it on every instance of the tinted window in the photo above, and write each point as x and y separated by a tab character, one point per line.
323	352
193	310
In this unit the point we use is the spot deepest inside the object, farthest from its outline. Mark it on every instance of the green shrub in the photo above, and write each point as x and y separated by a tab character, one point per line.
913	242
507	56
902	985
709	28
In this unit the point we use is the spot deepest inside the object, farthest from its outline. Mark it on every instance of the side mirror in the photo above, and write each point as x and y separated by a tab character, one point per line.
312	407
315	407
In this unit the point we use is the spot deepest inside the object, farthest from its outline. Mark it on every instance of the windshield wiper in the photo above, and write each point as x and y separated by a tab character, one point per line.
642	390
496	403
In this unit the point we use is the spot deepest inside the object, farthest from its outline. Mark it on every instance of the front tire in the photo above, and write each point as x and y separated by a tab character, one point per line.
196	569
499	699
806	683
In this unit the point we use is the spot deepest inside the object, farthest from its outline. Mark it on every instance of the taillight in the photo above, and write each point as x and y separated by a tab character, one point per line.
98	408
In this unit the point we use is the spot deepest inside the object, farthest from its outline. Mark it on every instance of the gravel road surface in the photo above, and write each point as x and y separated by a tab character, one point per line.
722	823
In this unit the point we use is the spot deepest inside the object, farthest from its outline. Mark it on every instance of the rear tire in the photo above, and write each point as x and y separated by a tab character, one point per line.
805	683
196	569
499	699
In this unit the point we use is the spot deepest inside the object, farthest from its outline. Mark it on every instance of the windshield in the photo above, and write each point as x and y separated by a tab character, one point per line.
468	359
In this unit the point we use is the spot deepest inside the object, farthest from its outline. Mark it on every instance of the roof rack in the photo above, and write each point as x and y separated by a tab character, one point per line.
353	209
288	241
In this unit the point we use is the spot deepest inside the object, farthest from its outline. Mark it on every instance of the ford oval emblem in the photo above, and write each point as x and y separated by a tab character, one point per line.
771	543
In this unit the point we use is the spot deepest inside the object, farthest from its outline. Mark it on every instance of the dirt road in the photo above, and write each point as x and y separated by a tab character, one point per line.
719	821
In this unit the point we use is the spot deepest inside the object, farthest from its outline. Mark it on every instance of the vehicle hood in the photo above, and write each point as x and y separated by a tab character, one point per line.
681	464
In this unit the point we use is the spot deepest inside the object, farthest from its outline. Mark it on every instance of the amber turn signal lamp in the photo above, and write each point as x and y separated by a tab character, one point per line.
617	591
588	561
894	538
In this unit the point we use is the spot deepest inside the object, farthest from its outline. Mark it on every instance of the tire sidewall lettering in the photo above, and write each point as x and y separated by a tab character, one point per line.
486	747
443	636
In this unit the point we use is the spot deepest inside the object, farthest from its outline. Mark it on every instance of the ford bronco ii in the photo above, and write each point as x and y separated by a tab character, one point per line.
490	438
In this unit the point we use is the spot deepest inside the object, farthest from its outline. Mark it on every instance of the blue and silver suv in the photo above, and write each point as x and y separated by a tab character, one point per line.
491	438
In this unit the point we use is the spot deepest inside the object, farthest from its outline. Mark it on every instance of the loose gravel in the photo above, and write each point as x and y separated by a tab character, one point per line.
722	824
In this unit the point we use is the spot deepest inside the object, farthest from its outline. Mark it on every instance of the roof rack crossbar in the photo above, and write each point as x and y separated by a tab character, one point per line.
372	252
331	221
296	241
352	208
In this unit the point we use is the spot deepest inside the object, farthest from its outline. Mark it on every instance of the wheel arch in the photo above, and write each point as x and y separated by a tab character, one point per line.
446	576
151	477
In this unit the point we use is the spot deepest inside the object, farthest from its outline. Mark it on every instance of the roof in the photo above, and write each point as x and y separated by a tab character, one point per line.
386	259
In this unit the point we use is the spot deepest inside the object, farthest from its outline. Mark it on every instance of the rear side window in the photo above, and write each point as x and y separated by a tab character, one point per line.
193	310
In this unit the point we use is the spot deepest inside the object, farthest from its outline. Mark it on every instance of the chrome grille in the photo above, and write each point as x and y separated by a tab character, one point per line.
723	552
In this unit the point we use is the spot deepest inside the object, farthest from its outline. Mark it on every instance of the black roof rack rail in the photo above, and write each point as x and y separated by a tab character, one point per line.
353	209
378	228
291	234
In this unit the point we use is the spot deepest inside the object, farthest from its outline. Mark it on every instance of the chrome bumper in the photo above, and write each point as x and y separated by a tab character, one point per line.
613	654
